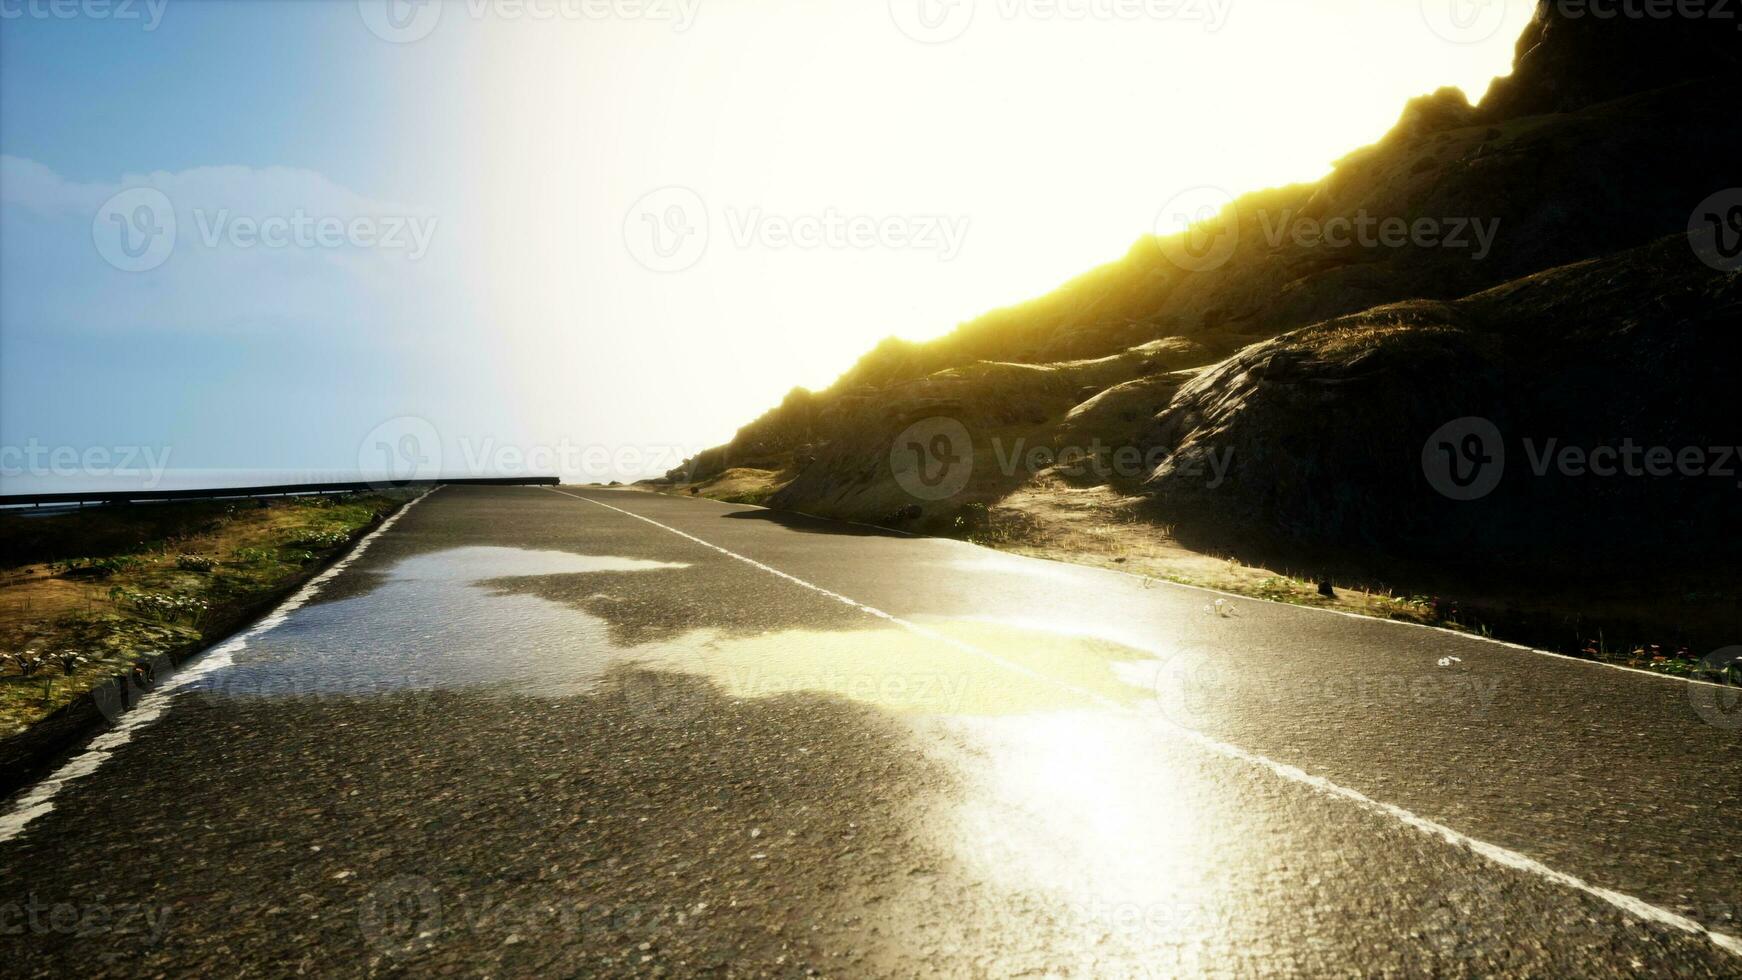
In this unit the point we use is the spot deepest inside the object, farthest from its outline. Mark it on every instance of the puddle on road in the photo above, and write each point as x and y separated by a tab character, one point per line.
434	622
455	620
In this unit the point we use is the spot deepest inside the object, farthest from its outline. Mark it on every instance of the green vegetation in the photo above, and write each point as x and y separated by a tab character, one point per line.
88	593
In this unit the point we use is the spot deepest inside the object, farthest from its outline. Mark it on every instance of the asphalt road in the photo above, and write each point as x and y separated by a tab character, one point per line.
605	732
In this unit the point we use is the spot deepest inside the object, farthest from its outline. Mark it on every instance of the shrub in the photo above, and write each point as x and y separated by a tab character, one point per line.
319	540
162	606
195	563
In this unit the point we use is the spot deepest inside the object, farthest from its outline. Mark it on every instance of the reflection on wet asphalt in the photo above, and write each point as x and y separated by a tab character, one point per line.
433	621
525	734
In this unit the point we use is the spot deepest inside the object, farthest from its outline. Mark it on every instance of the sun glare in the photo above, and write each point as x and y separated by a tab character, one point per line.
823	179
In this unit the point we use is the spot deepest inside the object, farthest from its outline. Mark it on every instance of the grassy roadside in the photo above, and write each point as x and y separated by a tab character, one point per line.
86	594
1099	527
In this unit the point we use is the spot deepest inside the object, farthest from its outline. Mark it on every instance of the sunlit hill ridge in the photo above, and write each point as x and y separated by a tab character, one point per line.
1550	291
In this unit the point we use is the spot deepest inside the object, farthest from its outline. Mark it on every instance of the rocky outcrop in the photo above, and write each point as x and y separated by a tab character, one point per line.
1327	426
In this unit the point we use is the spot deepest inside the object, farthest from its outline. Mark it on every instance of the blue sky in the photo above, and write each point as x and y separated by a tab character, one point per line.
286	82
442	240
288	85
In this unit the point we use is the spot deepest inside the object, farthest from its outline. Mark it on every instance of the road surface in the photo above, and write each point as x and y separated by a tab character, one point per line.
606	732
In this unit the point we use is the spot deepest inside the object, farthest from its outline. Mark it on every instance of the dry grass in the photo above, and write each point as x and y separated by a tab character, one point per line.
1101	527
112	584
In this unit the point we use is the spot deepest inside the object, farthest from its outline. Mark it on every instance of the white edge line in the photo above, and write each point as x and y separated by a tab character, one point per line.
1505	857
1473	637
40	798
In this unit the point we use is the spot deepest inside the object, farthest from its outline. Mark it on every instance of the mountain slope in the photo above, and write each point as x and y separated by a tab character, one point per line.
1558	298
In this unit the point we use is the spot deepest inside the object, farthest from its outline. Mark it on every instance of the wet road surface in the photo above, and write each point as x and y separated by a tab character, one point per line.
611	733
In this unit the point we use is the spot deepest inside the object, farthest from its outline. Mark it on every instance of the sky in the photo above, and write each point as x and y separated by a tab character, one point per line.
589	237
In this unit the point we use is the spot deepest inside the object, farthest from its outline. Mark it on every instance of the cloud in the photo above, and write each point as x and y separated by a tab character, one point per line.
28	184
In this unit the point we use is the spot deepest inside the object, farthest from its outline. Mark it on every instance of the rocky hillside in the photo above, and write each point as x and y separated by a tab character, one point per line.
1558	298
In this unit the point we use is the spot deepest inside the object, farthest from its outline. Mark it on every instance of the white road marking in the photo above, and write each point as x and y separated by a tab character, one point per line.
1493	852
152	706
1469	637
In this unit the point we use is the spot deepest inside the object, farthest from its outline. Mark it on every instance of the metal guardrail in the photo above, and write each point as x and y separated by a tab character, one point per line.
283	490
